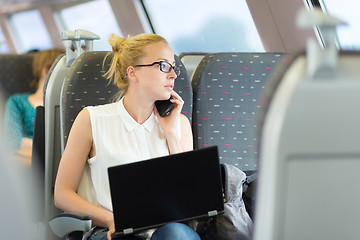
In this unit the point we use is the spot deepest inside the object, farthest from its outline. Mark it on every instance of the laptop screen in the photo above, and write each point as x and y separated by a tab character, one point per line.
177	187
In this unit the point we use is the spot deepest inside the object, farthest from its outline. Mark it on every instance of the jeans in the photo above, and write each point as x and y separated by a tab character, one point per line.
171	231
175	231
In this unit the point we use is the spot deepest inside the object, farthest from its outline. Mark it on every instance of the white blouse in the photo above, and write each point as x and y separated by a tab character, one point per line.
119	139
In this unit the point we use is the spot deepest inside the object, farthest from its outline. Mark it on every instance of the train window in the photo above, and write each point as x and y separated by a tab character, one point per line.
30	38
348	35
205	26
94	16
3	44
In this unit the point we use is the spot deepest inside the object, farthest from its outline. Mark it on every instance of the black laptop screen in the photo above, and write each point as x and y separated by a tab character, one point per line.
167	189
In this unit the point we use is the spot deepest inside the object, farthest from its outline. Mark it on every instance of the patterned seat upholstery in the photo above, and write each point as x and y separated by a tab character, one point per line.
184	89
226	88
84	86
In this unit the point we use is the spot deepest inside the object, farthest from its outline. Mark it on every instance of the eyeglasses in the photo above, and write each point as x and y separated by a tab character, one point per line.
164	67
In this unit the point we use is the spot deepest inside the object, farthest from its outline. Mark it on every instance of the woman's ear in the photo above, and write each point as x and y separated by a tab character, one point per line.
44	73
131	74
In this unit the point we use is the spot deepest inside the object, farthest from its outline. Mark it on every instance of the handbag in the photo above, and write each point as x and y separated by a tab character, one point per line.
235	223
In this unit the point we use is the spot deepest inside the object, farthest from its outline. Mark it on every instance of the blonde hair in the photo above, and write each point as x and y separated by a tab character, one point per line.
43	59
127	52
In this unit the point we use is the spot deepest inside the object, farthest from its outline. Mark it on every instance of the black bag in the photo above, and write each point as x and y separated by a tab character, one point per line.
235	223
249	193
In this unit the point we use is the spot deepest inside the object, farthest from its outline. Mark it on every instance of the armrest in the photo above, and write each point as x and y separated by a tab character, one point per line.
65	223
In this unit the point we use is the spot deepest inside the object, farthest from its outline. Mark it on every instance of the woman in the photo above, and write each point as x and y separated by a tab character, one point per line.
127	131
20	108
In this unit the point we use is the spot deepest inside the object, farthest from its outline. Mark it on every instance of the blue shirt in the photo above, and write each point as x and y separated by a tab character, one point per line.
19	120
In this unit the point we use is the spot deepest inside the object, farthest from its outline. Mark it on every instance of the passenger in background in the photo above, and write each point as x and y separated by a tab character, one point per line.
20	108
126	131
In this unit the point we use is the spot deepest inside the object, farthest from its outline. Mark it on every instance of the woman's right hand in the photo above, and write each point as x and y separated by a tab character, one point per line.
110	225
110	232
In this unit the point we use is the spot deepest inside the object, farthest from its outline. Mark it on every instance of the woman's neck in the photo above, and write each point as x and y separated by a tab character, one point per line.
139	110
36	99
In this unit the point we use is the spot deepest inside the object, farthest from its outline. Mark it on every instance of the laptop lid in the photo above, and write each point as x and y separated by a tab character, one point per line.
172	188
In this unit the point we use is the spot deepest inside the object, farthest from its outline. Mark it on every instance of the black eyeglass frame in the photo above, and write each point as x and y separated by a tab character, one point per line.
177	69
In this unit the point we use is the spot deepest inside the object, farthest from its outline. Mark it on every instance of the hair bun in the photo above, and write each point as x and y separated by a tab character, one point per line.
117	43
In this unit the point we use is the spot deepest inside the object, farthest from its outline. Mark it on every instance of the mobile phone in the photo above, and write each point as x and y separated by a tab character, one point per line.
164	107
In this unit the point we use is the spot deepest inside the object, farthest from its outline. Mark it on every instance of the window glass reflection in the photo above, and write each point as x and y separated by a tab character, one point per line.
30	34
346	10
94	16
205	25
4	48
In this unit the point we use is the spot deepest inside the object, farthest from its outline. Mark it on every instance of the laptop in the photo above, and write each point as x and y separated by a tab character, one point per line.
174	188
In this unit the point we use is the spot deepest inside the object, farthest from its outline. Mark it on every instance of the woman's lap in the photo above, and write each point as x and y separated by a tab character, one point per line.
173	231
101	234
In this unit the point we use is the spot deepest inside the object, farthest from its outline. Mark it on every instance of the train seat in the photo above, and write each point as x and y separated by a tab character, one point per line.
309	149
39	148
309	154
47	124
51	131
85	86
226	89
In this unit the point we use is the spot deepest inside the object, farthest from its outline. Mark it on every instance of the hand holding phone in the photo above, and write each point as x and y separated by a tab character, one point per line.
164	107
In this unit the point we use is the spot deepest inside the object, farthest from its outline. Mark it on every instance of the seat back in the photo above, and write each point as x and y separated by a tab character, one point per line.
51	114
309	140
46	142
51	129
86	86
226	89
191	60
184	89
16	74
